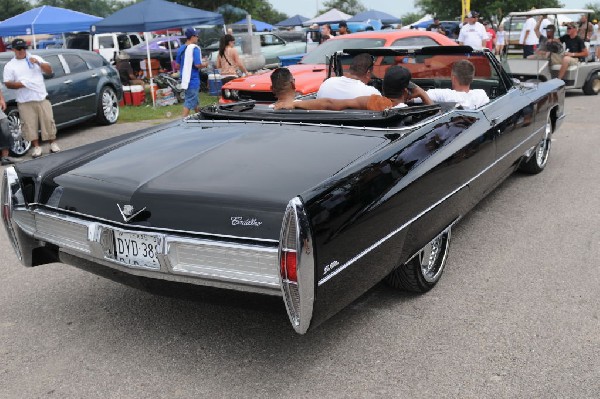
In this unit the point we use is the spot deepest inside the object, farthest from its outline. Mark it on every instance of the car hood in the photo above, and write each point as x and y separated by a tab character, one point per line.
226	179
308	78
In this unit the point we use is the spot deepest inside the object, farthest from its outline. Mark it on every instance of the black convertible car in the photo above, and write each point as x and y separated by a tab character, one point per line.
313	206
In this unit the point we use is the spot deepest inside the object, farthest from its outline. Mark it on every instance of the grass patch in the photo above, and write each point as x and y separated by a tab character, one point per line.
146	112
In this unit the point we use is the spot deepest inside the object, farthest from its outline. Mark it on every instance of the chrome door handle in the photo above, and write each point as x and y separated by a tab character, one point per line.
94	75
68	82
495	120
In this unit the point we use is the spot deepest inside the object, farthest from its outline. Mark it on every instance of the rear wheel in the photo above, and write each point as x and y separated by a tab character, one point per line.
592	86
19	146
538	161
424	270
108	107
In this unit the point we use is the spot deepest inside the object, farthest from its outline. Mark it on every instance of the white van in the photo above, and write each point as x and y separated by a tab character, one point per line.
106	44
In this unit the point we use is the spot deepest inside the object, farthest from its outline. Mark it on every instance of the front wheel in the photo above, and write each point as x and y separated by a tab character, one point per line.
19	146
108	107
592	86
422	272
539	159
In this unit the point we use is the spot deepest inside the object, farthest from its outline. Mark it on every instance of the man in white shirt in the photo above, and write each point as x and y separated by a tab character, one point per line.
24	73
528	37
353	84
473	32
463	72
545	22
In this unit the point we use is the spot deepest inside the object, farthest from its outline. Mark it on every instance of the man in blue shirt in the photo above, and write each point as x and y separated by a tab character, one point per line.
189	59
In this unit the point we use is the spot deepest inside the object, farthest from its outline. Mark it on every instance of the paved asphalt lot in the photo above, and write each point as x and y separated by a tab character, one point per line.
515	315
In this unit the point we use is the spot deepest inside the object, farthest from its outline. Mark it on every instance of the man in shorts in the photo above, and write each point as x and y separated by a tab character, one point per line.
575	50
189	59
24	73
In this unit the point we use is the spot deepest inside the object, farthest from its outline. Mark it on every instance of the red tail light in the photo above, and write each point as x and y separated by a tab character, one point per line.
288	266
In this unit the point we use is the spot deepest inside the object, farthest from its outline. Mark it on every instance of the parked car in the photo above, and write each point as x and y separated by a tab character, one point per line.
159	49
83	86
313	206
106	44
584	76
312	70
271	46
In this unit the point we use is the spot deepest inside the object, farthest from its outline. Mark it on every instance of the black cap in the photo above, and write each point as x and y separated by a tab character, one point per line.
18	44
343	24
395	80
473	14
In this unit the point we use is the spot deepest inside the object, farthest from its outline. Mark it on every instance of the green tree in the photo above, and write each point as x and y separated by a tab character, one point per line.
10	8
259	9
351	7
596	8
487	8
100	8
411	17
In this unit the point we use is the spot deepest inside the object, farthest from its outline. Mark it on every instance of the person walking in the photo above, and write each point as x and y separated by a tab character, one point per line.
25	74
472	32
228	59
528	37
189	59
500	39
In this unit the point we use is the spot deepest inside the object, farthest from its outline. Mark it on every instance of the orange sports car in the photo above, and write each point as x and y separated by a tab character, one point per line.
312	70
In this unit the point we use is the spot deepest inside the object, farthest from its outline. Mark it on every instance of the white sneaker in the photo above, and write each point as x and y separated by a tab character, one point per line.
54	147
37	152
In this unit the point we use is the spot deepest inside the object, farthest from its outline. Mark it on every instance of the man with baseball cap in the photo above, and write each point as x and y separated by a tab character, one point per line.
473	32
189	59
575	50
24	73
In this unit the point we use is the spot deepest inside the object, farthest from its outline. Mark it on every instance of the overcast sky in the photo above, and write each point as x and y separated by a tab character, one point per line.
308	8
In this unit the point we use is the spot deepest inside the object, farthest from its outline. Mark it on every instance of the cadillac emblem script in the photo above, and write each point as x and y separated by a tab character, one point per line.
240	221
128	212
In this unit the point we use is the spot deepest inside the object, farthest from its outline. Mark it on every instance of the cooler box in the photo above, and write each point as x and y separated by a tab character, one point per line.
133	95
214	84
286	60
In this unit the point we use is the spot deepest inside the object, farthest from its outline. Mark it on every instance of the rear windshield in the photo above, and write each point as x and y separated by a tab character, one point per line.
319	54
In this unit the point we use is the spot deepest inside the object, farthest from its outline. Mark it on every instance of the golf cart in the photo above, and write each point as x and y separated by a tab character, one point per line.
584	76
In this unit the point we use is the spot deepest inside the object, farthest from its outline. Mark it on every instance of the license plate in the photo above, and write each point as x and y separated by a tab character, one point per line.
137	249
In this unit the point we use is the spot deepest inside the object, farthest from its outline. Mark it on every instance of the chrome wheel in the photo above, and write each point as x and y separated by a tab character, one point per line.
428	257
20	146
537	160
422	272
543	149
108	111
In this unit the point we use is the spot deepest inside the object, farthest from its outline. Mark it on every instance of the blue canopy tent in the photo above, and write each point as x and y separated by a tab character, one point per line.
423	24
384	17
47	19
296	20
260	26
149	15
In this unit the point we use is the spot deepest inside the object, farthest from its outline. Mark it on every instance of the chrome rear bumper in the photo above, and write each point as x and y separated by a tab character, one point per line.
231	265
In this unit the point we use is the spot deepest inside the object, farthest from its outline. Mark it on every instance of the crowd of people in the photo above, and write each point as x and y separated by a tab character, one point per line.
24	73
352	92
